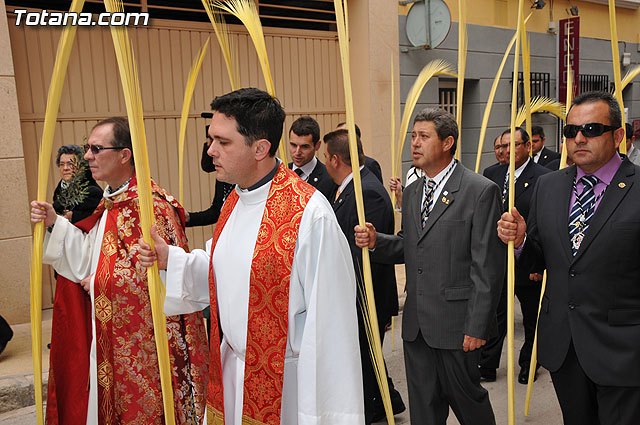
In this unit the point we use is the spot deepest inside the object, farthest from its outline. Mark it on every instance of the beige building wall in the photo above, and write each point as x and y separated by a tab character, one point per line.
15	230
374	46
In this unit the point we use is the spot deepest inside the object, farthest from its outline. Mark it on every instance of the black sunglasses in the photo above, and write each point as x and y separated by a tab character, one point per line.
95	149
592	129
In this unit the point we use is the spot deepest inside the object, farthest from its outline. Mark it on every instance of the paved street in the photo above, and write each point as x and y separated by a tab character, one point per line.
544	406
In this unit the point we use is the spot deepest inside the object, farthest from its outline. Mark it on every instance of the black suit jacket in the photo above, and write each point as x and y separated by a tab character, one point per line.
374	167
490	169
320	179
455	264
378	210
523	191
547	155
592	299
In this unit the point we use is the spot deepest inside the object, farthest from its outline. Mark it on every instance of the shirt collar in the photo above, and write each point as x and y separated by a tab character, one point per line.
536	156
109	192
347	180
307	168
442	173
604	173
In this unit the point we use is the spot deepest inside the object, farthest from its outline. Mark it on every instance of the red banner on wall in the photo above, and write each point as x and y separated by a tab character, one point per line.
569	43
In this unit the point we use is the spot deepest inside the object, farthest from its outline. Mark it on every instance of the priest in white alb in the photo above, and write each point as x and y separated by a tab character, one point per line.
278	275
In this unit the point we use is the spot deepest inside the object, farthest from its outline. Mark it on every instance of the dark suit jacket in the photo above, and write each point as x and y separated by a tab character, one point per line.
455	265
211	214
547	155
374	167
592	299
320	179
378	210
523	191
490	169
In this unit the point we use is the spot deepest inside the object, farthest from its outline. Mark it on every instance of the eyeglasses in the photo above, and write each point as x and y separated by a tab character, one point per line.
506	145
95	149
592	129
67	164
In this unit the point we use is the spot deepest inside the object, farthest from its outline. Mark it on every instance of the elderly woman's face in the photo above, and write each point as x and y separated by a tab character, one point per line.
68	166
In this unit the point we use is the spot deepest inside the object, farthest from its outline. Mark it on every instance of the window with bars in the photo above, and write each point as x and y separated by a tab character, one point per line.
447	96
302	14
593	82
540	85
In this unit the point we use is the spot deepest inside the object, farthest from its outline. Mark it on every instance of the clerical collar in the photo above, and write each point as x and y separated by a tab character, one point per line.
307	168
110	191
266	179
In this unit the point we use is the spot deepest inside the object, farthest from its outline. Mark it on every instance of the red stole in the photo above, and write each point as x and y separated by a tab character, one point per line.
268	303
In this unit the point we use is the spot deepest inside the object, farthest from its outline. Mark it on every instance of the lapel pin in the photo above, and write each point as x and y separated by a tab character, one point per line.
621	185
445	193
445	200
315	179
340	200
526	184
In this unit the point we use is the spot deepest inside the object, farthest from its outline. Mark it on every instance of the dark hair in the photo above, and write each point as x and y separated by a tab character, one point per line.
615	114
338	144
357	128
536	130
304	126
258	115
629	129
69	150
444	123
523	133
121	133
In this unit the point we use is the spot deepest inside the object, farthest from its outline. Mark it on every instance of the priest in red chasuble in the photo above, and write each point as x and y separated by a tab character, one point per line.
279	276
121	378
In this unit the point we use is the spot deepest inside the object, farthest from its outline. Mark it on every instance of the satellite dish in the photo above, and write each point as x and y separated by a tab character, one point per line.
428	28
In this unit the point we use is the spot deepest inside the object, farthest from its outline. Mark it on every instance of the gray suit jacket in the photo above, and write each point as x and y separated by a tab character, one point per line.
455	265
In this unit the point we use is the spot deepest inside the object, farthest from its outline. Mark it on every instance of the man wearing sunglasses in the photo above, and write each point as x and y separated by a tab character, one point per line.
101	255
583	228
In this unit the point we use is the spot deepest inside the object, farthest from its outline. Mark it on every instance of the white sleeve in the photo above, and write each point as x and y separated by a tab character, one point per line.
69	250
329	367
186	280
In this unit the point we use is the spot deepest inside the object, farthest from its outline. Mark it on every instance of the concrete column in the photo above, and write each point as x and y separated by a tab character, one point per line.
15	229
374	44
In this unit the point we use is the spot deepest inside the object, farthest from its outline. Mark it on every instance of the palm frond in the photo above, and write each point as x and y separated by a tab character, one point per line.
133	101
541	104
226	46
188	95
511	418
629	76
615	53
462	65
433	68
247	12
44	162
369	307
492	95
